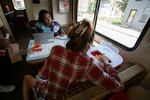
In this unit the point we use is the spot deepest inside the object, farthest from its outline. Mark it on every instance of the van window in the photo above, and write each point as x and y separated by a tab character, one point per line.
121	21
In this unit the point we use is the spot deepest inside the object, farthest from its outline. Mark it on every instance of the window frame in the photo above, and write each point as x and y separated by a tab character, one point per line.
138	0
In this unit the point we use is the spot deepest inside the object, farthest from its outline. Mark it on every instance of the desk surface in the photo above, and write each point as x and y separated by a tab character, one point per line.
46	48
115	58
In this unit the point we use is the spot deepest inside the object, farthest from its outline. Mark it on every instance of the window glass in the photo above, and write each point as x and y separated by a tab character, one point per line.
86	9
122	20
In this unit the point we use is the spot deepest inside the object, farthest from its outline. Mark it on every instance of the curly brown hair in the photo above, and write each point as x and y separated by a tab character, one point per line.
80	35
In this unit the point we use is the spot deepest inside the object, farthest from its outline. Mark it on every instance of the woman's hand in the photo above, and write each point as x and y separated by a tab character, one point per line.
104	59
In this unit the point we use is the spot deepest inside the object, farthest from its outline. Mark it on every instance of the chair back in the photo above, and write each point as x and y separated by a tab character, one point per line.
32	26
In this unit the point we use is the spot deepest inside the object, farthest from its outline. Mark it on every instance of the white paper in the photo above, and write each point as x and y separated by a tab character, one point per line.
46	48
115	58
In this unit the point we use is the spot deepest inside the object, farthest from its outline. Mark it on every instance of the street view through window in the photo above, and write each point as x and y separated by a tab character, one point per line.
119	20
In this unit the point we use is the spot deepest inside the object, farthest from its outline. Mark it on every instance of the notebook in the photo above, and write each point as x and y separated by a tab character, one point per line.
43	38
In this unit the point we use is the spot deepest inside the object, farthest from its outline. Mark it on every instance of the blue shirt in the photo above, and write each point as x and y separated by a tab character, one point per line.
53	28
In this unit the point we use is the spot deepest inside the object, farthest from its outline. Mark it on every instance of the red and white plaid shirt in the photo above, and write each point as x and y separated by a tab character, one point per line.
64	68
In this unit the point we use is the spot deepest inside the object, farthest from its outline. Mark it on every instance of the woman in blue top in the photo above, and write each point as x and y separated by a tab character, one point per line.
46	24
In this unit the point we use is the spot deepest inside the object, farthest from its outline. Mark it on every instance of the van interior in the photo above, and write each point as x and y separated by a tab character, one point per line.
123	25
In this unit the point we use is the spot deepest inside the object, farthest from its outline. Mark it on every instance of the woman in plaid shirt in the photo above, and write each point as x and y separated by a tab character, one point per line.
67	67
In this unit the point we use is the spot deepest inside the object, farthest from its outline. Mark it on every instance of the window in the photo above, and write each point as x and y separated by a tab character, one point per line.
122	21
86	9
18	4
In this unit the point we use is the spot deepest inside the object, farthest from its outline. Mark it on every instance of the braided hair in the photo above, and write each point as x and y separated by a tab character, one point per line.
80	35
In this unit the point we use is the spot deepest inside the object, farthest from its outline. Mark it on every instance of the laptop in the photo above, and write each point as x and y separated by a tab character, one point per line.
43	38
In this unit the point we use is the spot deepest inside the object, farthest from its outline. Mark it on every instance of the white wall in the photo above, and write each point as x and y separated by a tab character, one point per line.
29	9
63	19
44	4
32	10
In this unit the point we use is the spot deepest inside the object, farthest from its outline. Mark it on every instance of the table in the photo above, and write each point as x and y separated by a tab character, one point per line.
46	48
115	58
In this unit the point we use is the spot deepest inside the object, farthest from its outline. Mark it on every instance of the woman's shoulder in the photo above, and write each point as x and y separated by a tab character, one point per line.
57	48
39	23
82	58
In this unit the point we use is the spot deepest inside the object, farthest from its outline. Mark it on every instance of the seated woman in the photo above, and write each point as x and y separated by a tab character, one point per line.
46	24
66	67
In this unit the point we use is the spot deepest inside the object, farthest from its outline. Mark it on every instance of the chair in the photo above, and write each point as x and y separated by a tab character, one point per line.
32	26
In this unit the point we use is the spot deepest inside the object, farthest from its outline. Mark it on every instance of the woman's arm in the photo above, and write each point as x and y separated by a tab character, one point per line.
107	78
44	71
